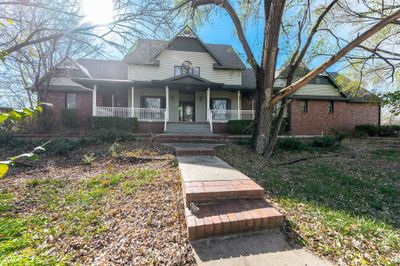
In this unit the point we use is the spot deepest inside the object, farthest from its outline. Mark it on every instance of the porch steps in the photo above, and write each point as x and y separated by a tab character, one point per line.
190	138
191	149
227	200
188	128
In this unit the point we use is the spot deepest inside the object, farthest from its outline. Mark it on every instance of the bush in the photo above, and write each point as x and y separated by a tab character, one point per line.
290	144
105	135
238	127
114	123
46	121
325	142
375	131
62	146
70	118
6	139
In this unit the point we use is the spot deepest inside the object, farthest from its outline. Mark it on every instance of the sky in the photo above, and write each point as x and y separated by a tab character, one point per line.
219	29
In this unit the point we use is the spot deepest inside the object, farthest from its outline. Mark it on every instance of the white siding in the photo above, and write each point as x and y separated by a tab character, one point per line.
318	90
200	106
173	105
170	58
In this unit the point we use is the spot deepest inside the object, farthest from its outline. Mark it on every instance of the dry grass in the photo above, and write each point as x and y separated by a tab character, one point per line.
109	211
345	208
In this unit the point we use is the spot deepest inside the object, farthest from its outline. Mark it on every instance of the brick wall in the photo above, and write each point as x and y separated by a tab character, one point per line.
150	127
220	128
83	105
317	119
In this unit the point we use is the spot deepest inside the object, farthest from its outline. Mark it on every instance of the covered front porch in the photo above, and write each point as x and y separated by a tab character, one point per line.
170	101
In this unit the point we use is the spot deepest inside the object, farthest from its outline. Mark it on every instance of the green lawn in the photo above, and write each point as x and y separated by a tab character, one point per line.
346	208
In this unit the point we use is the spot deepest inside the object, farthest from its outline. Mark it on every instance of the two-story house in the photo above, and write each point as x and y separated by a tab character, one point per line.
189	81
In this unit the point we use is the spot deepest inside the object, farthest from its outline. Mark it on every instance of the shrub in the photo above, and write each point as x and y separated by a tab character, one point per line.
6	139
290	144
105	135
115	123
62	146
240	126
46	121
70	118
374	130
325	142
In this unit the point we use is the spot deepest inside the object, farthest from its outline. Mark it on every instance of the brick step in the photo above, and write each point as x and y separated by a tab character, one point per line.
188	140
231	217
211	191
192	152
183	136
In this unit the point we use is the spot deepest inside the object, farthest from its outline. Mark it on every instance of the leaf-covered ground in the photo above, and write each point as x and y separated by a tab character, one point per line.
345	208
118	206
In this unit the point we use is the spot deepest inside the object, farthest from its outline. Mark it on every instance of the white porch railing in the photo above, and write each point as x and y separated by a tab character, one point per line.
221	115
142	114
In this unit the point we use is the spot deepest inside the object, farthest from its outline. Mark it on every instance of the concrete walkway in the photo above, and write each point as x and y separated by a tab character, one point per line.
266	248
229	203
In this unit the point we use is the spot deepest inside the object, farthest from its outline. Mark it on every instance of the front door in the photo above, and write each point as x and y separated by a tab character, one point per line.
186	111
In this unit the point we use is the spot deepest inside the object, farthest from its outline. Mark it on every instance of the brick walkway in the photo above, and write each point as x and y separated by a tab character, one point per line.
227	200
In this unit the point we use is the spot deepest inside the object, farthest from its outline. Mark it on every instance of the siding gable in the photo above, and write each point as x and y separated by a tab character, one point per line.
170	58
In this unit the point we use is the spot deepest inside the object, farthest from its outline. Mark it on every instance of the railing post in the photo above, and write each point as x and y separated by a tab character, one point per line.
94	99
238	106
208	104
166	103
132	101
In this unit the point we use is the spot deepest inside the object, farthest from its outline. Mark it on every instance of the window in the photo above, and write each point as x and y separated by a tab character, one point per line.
196	71
193	71
219	107
177	70
304	106
70	101
331	107
153	102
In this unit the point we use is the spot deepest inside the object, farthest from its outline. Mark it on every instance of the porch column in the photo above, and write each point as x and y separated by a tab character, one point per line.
166	103
208	104
239	115
94	99
132	101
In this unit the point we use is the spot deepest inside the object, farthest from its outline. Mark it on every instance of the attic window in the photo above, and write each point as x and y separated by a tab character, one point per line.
67	65
187	33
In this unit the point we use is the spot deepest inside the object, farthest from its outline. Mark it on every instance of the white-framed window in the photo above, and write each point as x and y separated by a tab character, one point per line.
177	70
70	101
194	71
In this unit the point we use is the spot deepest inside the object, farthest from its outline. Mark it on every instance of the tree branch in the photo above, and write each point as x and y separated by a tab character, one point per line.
307	78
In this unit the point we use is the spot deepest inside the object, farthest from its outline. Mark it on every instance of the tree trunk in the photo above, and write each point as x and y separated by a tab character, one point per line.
266	77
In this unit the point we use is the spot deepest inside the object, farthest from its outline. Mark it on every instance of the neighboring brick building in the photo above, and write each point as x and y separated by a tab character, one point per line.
185	80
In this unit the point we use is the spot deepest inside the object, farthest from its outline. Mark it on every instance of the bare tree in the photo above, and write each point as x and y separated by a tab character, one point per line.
311	23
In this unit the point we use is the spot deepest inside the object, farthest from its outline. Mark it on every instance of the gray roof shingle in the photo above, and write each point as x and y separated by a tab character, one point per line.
144	51
105	69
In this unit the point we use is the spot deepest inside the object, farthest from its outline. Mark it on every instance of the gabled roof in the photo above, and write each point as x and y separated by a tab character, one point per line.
146	51
186	77
105	69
